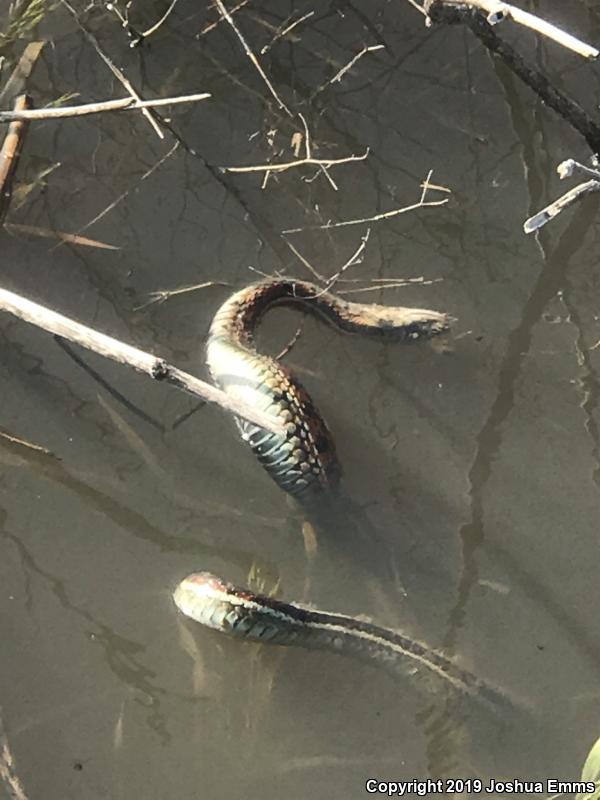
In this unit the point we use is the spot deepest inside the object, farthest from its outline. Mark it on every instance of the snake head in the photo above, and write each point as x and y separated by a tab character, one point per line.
399	322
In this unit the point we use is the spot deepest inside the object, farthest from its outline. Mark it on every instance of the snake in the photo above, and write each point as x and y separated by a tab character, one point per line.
302	460
224	607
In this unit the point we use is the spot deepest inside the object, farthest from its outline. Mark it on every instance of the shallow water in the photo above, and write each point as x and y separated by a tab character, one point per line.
476	470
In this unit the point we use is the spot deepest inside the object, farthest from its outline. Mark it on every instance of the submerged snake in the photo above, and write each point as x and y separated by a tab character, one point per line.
238	612
303	460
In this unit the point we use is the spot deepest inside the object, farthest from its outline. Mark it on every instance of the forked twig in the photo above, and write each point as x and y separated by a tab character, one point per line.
300	162
384	215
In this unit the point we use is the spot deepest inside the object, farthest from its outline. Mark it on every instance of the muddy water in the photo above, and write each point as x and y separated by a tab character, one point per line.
476	470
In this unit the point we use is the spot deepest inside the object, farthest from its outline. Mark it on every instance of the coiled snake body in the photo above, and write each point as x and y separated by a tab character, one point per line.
303	460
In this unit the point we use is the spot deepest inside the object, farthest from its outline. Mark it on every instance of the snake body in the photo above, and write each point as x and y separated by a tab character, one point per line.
303	460
238	612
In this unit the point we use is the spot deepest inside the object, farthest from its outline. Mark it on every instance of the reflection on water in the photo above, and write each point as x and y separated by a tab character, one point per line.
469	507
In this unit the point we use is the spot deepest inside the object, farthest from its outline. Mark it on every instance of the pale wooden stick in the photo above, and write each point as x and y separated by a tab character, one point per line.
122	104
106	346
157	25
497	11
281	33
375	218
553	210
10	153
300	162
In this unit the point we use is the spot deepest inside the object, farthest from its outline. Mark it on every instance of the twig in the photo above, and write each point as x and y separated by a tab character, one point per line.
106	346
48	233
340	74
290	344
7	767
376	218
414	4
355	258
24	443
279	34
9	154
156	26
18	79
546	214
113	68
122	104
396	284
161	295
226	15
497	11
124	194
306	263
212	25
454	11
300	162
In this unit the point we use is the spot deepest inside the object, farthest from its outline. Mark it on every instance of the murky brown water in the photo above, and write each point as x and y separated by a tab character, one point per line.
477	468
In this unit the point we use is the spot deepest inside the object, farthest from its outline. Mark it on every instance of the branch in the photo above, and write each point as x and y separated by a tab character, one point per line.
496	11
565	169
123	353
376	218
300	162
10	152
122	104
248	50
119	75
469	13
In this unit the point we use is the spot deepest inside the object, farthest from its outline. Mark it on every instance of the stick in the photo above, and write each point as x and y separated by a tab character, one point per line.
247	49
497	11
452	12
122	104
9	155
283	31
112	67
375	218
341	72
546	214
300	162
106	346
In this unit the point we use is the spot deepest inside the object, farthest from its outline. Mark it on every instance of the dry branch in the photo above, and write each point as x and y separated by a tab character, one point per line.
496	11
106	346
347	67
546	214
565	169
9	155
283	30
122	104
375	218
300	162
452	12
248	50
113	68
